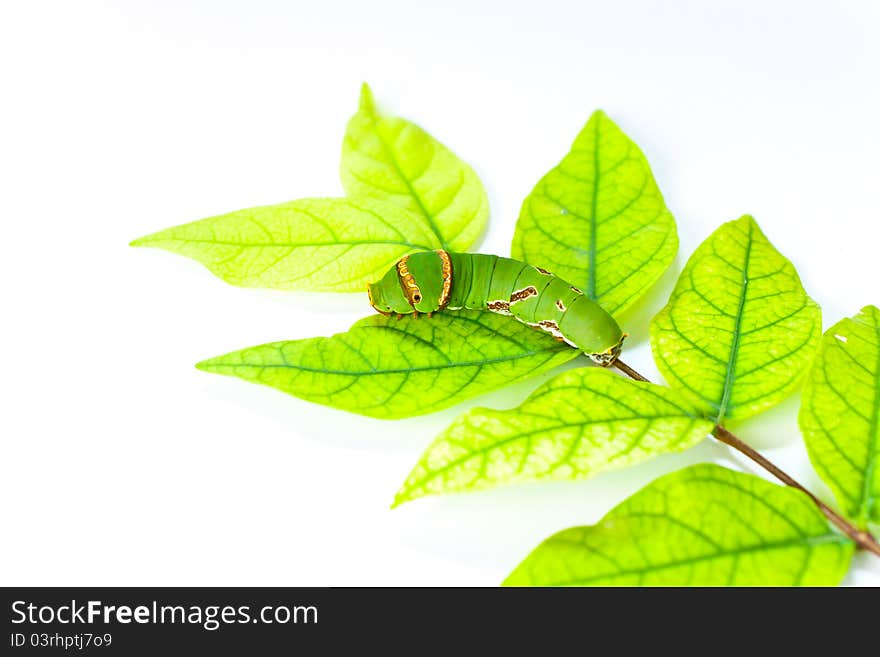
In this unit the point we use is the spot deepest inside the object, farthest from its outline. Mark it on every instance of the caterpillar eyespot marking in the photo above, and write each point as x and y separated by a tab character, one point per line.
408	282
429	281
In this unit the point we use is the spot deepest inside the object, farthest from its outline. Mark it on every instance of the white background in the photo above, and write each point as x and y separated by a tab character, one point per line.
123	464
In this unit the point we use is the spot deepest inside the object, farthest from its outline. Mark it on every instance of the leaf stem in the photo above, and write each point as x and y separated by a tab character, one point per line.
860	537
630	372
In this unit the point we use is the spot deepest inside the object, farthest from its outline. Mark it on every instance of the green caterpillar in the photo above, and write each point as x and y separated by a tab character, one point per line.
429	281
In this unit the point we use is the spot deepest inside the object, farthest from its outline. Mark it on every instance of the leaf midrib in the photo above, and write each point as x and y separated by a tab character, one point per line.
808	542
481	452
317	370
730	375
406	181
282	245
874	435
594	204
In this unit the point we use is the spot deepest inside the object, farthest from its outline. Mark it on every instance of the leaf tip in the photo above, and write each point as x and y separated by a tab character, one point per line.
601	117
367	102
870	309
206	365
151	240
401	497
747	219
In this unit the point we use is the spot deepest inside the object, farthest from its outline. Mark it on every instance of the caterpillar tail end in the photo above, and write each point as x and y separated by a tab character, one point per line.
607	357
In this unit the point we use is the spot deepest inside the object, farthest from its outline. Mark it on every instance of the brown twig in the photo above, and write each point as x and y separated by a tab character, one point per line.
630	372
860	537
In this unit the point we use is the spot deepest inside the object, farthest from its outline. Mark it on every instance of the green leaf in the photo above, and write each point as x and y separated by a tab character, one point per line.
333	245
578	424
701	526
598	219
739	330
389	368
840	414
393	160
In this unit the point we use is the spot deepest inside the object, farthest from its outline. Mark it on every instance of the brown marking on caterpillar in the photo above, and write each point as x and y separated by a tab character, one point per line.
525	293
501	307
574	289
604	359
446	272
560	305
607	357
408	282
551	327
543	271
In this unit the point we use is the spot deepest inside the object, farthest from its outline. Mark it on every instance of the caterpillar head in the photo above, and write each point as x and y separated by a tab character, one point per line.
606	358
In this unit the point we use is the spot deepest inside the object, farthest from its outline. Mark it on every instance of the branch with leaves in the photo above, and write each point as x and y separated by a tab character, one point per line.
738	335
861	537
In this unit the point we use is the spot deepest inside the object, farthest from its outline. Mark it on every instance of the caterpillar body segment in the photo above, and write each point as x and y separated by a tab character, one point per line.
430	281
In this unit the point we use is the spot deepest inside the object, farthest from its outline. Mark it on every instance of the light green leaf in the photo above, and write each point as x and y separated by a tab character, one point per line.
598	219
840	414
578	424
701	526
389	368
335	245
393	160
739	330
